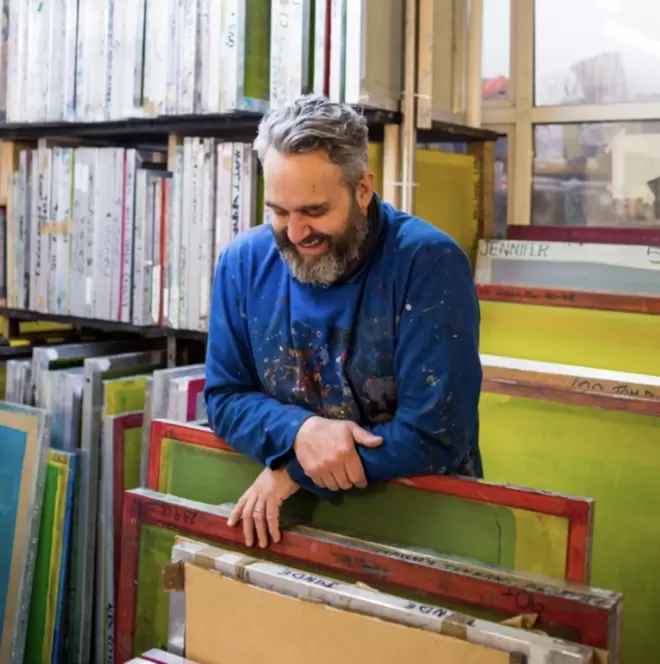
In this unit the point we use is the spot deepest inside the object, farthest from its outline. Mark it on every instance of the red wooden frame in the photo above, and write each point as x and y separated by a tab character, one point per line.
571	390
593	617
566	298
195	386
121	424
585	234
578	511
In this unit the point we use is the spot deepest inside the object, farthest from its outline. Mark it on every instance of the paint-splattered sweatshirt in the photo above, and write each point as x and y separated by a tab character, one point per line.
393	347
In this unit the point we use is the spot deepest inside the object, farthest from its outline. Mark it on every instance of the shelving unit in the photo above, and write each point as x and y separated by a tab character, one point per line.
159	132
439	115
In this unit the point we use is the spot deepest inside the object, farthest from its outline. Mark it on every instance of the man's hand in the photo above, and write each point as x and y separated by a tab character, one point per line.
259	506
326	451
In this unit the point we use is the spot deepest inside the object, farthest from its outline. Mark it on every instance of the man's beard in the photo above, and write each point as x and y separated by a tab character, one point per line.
342	256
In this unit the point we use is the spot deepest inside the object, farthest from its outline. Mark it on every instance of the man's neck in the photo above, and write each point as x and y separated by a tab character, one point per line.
373	224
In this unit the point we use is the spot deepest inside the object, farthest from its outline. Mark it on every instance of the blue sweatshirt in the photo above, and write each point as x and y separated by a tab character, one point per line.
394	348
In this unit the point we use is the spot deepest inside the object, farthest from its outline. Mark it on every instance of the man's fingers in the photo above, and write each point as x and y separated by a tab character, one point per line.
329	481
260	522
341	478
355	471
317	478
237	512
363	437
248	520
273	519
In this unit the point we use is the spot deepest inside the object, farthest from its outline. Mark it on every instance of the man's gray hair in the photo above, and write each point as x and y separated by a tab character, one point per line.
313	123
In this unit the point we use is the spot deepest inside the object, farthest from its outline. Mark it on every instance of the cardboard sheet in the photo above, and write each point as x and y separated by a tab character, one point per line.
230	622
157	656
362	600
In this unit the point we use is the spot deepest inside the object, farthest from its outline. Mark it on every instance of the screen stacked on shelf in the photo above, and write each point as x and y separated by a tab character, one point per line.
142	251
100	60
217	193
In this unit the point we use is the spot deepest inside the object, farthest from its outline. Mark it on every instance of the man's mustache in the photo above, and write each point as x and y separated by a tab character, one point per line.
284	241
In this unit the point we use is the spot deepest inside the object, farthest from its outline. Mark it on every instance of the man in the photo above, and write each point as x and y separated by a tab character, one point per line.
343	341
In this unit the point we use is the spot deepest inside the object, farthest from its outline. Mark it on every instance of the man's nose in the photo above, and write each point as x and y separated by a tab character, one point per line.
298	229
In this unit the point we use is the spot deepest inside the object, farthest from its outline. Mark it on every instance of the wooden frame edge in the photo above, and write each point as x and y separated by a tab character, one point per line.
578	511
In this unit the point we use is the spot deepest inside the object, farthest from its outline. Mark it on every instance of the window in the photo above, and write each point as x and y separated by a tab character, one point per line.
596	51
501	181
496	51
605	174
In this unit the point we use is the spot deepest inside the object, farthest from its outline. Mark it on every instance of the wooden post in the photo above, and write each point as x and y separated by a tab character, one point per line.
484	164
392	165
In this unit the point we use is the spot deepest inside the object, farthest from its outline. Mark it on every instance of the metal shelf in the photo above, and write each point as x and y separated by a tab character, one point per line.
22	315
234	126
448	132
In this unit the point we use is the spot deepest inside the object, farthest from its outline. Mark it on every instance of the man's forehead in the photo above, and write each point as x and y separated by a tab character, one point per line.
294	182
314	167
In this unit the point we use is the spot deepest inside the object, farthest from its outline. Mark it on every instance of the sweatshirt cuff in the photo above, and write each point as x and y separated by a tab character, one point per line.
281	458
297	474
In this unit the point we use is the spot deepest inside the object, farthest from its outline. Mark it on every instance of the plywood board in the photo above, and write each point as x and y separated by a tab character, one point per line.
490	523
23	456
152	520
614	457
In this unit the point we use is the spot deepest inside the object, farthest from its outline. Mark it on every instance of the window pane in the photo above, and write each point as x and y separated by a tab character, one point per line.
596	51
604	174
496	52
501	185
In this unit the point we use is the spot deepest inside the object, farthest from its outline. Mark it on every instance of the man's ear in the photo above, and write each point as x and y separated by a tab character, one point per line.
365	191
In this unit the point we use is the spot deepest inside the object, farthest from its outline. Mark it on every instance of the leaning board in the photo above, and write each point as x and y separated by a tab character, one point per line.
122	443
152	521
614	457
24	433
507	526
612	340
44	633
325	595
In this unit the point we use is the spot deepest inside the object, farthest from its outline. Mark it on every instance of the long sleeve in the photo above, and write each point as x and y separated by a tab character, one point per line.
438	375
239	412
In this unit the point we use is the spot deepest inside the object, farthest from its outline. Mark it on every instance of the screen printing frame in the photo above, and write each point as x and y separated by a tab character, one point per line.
579	512
113	491
34	424
612	391
594	615
553	297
